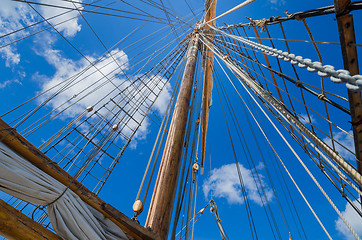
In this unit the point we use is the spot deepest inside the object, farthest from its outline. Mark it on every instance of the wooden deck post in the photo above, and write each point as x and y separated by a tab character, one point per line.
15	225
350	60
160	212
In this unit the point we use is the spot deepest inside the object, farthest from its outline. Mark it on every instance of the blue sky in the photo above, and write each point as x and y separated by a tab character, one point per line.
36	63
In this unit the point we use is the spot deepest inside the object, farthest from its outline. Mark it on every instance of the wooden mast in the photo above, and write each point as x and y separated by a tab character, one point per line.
160	212
350	60
208	64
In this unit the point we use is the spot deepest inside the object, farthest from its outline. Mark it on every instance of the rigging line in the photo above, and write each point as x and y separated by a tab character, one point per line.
317	67
242	59
309	173
90	11
267	87
247	206
280	70
168	18
250	82
297	76
193	218
157	5
44	20
183	181
325	230
349	169
124	73
311	108
133	31
314	180
208	9
119	154
215	215
194	113
322	79
336	169
305	41
355	5
281	174
131	136
93	65
189	203
34	24
330	167
301	41
194	221
316	112
169	11
161	129
189	6
197	176
247	54
324	119
118	10
294	81
250	159
163	135
230	11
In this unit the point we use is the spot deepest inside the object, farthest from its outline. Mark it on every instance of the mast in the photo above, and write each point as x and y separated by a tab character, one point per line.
208	63
160	212
350	60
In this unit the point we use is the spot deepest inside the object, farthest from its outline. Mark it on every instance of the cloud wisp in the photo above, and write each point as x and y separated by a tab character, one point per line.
224	183
345	140
77	85
353	219
15	16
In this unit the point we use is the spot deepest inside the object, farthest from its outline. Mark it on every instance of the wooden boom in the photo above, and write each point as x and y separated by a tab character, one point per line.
24	148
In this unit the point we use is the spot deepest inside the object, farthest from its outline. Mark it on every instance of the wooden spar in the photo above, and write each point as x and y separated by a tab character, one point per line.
16	225
208	63
350	60
160	212
24	148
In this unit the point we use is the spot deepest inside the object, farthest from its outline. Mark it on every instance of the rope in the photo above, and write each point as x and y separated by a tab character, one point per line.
353	83
355	5
230	11
309	173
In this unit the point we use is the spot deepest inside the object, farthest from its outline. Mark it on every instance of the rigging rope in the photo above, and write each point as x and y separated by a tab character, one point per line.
297	156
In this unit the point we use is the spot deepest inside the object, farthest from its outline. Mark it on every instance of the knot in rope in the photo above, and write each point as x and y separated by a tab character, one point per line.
252	22
321	96
299	84
262	22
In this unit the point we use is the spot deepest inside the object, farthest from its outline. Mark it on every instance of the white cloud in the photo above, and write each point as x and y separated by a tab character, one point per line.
345	140
13	16
277	2
224	182
353	219
92	89
69	28
305	119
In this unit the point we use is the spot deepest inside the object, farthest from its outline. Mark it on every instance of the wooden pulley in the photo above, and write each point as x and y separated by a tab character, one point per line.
138	207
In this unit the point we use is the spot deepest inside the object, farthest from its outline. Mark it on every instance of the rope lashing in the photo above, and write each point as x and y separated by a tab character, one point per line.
353	83
262	22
